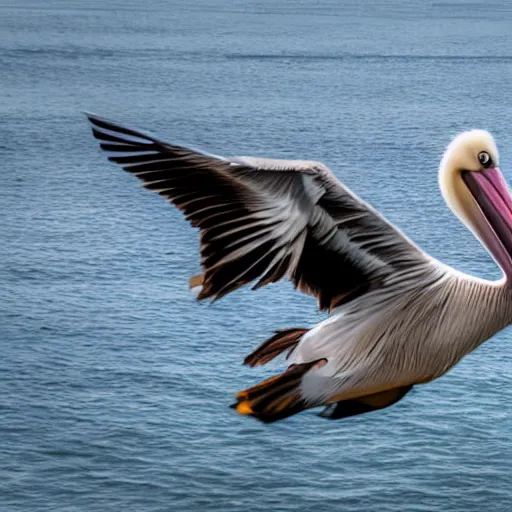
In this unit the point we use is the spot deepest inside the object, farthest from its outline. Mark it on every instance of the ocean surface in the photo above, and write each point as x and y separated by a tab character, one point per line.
114	382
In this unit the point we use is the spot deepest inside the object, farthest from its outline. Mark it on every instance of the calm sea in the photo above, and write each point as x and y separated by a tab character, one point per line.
114	382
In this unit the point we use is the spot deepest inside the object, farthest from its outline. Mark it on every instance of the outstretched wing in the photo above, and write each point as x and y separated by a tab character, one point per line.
264	219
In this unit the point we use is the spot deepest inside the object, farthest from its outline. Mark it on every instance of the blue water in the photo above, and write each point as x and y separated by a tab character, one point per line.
114	382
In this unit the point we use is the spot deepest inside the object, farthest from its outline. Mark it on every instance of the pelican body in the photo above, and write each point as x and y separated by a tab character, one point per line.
397	317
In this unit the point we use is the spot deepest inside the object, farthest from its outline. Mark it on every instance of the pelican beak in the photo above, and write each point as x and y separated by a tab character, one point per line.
491	193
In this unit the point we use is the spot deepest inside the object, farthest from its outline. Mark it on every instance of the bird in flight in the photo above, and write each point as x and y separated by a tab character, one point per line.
397	316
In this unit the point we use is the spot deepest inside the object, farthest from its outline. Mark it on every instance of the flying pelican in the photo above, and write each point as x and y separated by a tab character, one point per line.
398	317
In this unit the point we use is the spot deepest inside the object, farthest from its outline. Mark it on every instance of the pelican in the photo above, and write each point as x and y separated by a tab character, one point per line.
397	316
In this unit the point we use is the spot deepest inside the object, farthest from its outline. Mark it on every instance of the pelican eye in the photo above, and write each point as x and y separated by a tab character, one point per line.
485	159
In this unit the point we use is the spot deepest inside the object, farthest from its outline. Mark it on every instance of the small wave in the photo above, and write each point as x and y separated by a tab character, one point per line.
366	57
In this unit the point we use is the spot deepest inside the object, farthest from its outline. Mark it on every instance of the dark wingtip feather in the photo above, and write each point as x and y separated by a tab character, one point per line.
95	119
103	123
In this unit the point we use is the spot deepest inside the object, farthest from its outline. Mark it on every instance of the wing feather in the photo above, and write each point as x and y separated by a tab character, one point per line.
264	219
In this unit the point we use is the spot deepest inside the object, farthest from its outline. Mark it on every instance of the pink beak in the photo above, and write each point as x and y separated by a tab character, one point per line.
491	192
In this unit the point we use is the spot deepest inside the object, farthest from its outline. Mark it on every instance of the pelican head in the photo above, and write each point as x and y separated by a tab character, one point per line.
474	188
